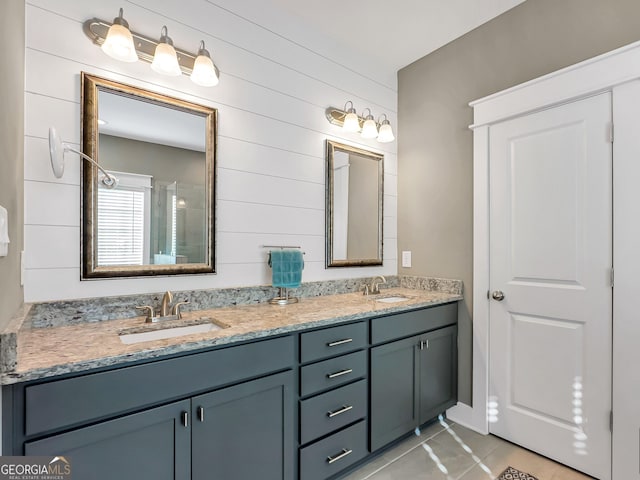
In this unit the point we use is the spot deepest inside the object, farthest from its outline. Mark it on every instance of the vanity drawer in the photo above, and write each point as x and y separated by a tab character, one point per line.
333	454
332	410
333	372
332	341
384	329
65	403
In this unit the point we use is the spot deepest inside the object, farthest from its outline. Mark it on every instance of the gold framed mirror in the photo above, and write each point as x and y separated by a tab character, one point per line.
159	218
354	206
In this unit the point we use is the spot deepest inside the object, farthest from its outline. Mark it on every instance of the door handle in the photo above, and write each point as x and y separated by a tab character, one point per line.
498	295
185	419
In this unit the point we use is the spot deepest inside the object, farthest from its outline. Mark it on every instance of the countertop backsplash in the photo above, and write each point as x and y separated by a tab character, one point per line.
72	312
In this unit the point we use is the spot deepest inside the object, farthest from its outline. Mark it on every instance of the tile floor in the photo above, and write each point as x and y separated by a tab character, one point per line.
448	451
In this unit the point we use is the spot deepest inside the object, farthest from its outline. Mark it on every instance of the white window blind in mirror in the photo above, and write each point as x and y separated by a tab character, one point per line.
124	221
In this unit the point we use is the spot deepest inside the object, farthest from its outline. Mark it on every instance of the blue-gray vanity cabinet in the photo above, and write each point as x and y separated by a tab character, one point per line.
412	379
154	444
226	413
245	431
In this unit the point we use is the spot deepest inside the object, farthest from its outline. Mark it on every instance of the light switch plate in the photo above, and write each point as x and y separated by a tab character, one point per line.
406	259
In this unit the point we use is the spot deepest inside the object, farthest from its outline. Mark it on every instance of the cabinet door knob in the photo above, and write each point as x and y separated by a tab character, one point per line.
200	411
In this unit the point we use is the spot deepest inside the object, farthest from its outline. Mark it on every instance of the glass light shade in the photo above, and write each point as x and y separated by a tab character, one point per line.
165	60
385	135
204	72
119	44
351	123
369	129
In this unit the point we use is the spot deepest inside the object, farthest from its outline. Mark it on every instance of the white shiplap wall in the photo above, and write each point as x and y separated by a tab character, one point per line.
271	99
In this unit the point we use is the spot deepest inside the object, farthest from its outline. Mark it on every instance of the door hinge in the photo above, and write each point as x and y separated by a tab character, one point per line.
611	421
611	132
611	277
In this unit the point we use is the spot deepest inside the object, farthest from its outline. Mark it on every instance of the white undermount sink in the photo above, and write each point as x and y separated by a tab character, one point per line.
157	332
392	299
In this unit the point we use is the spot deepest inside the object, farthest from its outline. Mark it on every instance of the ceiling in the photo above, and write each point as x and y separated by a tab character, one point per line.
394	33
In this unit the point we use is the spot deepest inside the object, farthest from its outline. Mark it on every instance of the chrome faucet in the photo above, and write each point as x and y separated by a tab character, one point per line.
375	286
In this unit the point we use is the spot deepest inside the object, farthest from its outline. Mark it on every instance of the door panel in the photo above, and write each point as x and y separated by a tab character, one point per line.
394	392
551	255
245	431
151	444
438	372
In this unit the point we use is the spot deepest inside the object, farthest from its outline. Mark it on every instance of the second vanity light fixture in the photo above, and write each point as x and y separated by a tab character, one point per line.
119	42
350	121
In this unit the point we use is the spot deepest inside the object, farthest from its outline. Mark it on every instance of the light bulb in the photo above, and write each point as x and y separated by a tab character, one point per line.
351	122
165	59
369	129
204	72
385	135
119	42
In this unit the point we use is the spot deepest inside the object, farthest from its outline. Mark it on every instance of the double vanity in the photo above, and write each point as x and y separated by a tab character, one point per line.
305	391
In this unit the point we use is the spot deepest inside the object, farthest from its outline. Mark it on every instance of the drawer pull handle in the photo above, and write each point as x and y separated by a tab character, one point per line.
341	455
340	373
340	342
344	409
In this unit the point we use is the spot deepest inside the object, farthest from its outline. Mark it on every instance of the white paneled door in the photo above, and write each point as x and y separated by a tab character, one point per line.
550	278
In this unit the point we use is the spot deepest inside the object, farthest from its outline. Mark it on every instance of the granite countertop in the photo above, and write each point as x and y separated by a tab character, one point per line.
46	352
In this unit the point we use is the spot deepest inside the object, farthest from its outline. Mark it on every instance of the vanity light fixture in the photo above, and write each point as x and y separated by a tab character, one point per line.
349	120
204	71
163	56
369	128
165	59
119	41
385	133
57	149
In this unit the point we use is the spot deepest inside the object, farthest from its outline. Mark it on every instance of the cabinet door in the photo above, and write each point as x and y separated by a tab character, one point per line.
151	444
245	431
394	395
438	372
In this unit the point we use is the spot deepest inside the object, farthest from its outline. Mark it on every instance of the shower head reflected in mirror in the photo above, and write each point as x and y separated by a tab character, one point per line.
57	149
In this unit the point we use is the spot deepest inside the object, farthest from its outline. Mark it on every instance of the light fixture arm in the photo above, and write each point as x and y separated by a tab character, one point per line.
108	180
57	149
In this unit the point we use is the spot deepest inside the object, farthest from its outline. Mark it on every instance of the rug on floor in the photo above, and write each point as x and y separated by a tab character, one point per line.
512	474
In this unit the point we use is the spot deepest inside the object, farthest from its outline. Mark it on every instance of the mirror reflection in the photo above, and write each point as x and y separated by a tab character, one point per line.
354	206
158	218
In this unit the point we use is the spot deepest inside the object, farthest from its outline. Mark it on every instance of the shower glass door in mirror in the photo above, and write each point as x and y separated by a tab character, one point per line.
354	206
158	219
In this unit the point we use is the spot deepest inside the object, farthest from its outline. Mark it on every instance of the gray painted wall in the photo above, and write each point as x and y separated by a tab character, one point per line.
12	151
435	160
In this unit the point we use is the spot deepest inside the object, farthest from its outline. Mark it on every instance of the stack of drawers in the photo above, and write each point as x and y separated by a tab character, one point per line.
333	400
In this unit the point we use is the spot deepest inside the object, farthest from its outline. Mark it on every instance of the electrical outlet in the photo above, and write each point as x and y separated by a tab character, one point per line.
406	259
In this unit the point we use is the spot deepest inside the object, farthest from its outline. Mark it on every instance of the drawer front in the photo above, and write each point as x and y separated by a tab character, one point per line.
333	454
64	403
332	410
332	341
384	329
333	372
